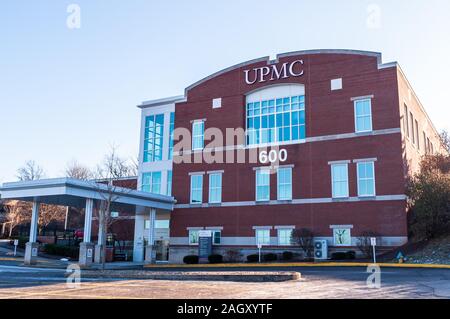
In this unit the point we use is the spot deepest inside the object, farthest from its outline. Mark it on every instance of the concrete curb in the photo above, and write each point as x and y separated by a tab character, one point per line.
325	264
236	276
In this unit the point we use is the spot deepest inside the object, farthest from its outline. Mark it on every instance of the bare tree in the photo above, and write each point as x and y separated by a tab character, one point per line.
110	170
17	212
134	167
304	238
78	171
49	214
30	171
445	140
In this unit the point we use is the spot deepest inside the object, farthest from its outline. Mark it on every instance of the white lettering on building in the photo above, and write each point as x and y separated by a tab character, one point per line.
272	73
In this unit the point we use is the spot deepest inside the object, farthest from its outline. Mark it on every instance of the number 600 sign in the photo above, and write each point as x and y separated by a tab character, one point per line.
273	156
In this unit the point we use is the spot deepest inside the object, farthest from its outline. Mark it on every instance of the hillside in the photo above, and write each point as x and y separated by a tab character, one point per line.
436	251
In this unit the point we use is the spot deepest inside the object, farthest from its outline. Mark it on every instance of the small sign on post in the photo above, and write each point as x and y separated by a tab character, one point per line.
16	243
373	242
204	245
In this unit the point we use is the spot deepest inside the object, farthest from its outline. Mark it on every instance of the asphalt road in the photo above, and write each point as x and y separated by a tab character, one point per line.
335	282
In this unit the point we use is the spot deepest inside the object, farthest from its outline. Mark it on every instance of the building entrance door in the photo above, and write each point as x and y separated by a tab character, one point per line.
162	250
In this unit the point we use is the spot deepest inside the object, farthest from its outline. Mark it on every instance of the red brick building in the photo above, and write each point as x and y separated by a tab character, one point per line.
329	137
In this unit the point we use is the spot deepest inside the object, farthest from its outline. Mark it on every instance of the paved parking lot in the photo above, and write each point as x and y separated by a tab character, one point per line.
316	283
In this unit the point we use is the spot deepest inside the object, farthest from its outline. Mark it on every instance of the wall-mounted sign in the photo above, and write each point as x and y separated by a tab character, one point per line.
274	72
34	252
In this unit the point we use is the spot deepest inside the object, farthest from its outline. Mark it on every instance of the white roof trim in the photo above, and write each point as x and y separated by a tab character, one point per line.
266	59
163	101
33	190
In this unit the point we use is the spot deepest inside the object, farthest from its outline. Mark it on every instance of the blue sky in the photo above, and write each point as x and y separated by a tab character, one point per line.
69	93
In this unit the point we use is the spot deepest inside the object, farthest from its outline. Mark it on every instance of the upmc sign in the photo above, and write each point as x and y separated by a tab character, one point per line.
274	72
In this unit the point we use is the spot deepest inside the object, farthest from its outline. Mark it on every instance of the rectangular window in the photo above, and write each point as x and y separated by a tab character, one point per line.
262	185
217	237
363	115
263	237
342	237
285	183
171	130
417	135
215	188
411	117
425	142
339	180
153	138
366	178
193	237
198	130
284	237
196	189
151	182
162	223
406	120
276	120
169	183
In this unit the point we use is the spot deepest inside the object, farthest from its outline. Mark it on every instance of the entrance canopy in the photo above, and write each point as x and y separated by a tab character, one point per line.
73	192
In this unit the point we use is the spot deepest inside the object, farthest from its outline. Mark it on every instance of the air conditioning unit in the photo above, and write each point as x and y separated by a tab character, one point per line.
320	250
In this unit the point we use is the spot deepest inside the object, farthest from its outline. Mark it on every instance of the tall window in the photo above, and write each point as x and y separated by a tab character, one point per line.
169	183
262	185
285	183
217	237
417	135
284	237
366	179
339	180
363	115
406	120
425	142
198	130
263	237
151	182
153	139
171	130
411	117
196	189
215	188
276	120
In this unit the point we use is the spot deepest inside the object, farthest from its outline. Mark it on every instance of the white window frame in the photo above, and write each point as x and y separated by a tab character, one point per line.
202	136
334	236
151	181
201	189
257	236
279	237
279	184
215	188
358	178
355	102
258	171
333	191
214	231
